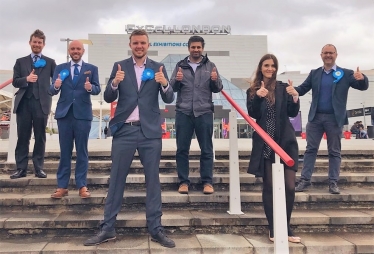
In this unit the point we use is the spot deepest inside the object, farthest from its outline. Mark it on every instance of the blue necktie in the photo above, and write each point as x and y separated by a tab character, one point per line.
36	58
76	74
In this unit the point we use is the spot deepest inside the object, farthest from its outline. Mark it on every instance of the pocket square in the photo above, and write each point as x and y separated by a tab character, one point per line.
87	72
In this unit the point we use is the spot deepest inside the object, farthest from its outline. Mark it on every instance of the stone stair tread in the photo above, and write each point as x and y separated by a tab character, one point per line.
193	243
179	218
354	194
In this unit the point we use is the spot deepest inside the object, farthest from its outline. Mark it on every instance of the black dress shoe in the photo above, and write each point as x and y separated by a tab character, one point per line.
334	189
40	174
163	240
18	174
101	237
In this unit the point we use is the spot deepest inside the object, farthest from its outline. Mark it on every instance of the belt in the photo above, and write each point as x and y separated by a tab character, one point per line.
136	123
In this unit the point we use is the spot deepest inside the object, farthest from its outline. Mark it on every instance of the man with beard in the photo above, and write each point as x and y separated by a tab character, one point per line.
77	81
136	82
194	79
328	114
32	75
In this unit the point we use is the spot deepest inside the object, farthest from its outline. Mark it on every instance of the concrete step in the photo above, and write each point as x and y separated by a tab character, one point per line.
169	181
186	221
316	243
169	166
314	198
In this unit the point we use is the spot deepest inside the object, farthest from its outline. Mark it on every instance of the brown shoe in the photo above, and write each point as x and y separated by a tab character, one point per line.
60	192
183	188
208	189
84	193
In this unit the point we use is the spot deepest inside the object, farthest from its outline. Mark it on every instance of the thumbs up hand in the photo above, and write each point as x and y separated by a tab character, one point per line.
120	75
358	75
179	75
87	85
213	74
32	77
58	82
262	92
290	89
160	77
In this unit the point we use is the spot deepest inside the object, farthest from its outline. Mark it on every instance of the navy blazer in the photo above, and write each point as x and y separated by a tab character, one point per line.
339	92
22	69
76	95
146	98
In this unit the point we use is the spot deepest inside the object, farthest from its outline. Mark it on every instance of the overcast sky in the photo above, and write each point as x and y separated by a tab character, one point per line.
296	29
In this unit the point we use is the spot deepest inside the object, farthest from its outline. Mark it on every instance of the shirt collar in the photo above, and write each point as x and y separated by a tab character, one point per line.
189	61
39	55
145	61
327	72
79	63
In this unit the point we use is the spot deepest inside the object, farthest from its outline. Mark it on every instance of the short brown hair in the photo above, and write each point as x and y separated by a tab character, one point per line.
38	34
139	32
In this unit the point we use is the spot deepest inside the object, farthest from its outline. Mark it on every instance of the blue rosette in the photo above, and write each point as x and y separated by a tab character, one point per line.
40	63
338	74
148	74
64	74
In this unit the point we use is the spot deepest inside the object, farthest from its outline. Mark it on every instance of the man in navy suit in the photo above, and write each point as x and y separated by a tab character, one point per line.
136	82
77	81
32	75
330	84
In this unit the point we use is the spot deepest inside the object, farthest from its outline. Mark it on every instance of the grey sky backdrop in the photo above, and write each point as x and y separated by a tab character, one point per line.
296	29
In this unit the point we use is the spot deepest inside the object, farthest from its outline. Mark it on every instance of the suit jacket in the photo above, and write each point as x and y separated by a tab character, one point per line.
76	95
22	69
339	92
146	98
284	136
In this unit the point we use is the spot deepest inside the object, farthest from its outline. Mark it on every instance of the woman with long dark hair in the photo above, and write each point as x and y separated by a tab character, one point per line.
269	102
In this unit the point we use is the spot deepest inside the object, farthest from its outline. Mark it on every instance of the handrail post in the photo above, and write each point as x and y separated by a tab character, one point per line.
235	202
12	134
279	208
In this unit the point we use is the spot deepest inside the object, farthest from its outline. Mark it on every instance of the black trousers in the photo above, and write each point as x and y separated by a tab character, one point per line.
30	116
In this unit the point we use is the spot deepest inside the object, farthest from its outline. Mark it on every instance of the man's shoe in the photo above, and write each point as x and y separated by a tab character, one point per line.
302	185
19	173
163	240
60	193
183	188
334	189
101	237
208	189
84	193
40	174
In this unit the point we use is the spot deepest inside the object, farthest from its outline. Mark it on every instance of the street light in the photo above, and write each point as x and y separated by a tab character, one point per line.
68	40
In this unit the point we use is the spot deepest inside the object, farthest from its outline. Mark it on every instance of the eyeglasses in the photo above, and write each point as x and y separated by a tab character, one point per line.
328	53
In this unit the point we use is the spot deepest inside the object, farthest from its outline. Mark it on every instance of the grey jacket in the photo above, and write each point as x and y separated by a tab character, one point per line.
194	92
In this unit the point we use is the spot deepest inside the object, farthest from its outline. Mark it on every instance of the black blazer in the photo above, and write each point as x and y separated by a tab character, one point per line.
22	69
339	92
285	136
146	98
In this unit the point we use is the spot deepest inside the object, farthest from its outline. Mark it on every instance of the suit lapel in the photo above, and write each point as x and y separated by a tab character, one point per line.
28	63
130	71
81	74
334	84
318	78
39	70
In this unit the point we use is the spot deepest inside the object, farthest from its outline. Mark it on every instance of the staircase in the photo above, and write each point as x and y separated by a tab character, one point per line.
32	222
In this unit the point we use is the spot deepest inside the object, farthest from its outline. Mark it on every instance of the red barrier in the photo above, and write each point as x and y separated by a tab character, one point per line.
276	148
6	83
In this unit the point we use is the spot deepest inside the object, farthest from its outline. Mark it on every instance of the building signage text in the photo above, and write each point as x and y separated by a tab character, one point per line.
182	29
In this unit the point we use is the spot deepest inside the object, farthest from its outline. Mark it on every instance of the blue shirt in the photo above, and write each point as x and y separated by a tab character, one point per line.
325	92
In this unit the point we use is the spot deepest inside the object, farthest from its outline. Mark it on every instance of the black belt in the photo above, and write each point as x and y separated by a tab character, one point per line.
136	123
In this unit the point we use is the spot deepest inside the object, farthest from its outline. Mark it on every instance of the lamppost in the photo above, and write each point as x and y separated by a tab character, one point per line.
68	40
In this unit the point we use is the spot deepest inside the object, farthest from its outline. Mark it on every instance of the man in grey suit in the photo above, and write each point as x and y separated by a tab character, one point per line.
330	84
32	75
136	125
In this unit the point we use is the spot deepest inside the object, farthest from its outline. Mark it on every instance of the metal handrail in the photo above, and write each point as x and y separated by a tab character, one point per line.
6	83
273	145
